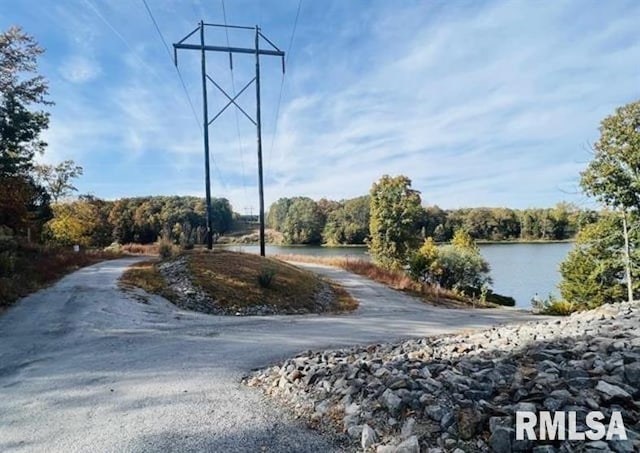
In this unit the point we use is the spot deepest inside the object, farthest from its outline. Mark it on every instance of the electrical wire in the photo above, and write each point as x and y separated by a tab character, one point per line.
184	86
235	111
277	111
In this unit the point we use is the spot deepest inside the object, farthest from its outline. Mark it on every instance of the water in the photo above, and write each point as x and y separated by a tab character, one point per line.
518	270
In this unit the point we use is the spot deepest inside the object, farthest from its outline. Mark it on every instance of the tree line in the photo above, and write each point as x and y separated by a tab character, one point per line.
91	221
302	220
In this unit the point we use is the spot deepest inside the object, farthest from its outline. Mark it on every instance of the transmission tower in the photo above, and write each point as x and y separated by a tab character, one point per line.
257	51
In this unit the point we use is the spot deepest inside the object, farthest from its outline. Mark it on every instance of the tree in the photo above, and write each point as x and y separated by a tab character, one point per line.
304	222
57	179
594	271
348	223
613	176
463	241
20	88
73	223
396	213
23	203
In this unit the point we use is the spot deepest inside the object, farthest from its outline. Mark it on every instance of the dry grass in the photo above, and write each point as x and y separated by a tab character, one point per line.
37	266
231	278
141	249
145	275
397	280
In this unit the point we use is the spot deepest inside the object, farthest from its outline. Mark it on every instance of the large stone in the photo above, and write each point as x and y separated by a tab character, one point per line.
469	421
611	392
500	439
392	402
411	445
368	437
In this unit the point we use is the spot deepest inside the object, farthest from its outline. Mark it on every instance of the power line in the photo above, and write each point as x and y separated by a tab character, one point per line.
277	112
182	82
166	46
235	111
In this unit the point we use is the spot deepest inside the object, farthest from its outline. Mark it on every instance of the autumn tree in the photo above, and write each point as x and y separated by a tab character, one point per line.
395	215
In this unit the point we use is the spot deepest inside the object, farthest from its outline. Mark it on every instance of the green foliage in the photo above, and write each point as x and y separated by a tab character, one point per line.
395	216
463	241
593	272
348	222
557	307
299	219
500	224
72	223
613	176
456	268
21	88
266	277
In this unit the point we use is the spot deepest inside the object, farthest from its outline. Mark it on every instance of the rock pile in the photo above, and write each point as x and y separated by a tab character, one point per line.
189	296
459	393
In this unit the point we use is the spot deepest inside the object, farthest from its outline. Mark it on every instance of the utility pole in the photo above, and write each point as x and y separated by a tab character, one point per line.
257	51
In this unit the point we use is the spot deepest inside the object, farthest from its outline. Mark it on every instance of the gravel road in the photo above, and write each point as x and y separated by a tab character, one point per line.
87	367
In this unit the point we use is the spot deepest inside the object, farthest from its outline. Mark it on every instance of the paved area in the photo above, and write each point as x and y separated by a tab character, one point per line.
85	367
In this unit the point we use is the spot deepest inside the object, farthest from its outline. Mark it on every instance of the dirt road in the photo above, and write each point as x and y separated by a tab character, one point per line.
86	367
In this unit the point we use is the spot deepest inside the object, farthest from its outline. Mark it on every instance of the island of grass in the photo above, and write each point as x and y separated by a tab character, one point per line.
223	282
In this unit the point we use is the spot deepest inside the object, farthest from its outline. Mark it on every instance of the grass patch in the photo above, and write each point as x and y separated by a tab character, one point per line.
145	275
35	266
233	280
397	280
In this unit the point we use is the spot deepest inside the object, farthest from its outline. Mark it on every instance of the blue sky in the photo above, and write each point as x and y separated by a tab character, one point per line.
479	103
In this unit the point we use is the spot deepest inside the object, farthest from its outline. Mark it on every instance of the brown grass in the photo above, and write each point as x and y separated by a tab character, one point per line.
397	280
145	275
37	266
231	278
141	249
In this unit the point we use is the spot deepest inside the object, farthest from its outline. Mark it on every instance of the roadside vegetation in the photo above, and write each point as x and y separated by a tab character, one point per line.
28	267
234	282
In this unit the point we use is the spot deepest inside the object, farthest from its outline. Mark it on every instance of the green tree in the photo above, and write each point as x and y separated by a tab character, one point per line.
304	222
21	88
613	176
23	203
593	272
348	223
394	224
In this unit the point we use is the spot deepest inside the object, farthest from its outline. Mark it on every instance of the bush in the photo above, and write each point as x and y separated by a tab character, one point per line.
115	247
458	268
7	263
167	249
557	307
266	277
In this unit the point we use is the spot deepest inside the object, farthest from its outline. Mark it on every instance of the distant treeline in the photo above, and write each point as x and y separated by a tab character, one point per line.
302	220
91	221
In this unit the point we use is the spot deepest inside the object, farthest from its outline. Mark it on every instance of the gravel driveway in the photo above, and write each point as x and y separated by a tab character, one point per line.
86	367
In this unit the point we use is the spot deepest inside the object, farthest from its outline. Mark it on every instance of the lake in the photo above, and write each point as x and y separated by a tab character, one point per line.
518	270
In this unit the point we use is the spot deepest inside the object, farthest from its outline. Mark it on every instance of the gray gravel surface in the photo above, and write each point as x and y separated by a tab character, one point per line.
87	367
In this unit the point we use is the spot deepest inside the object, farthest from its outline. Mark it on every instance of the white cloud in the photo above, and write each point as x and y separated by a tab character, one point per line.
79	69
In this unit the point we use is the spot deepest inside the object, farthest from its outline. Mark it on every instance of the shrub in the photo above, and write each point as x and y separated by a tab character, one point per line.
7	263
459	268
557	307
115	247
266	277
167	249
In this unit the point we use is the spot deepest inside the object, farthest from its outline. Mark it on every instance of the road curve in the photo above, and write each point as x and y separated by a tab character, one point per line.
86	367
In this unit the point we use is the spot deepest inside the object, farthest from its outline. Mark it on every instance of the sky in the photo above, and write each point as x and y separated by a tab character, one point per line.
479	103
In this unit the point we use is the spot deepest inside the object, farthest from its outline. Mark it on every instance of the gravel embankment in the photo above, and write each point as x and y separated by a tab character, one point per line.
460	392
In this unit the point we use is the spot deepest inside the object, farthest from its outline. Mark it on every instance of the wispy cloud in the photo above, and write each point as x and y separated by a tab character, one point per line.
486	103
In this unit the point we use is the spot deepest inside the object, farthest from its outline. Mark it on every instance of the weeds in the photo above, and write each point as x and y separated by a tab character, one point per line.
266	276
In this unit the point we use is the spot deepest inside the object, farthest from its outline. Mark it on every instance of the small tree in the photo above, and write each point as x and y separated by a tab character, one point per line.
396	212
462	240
